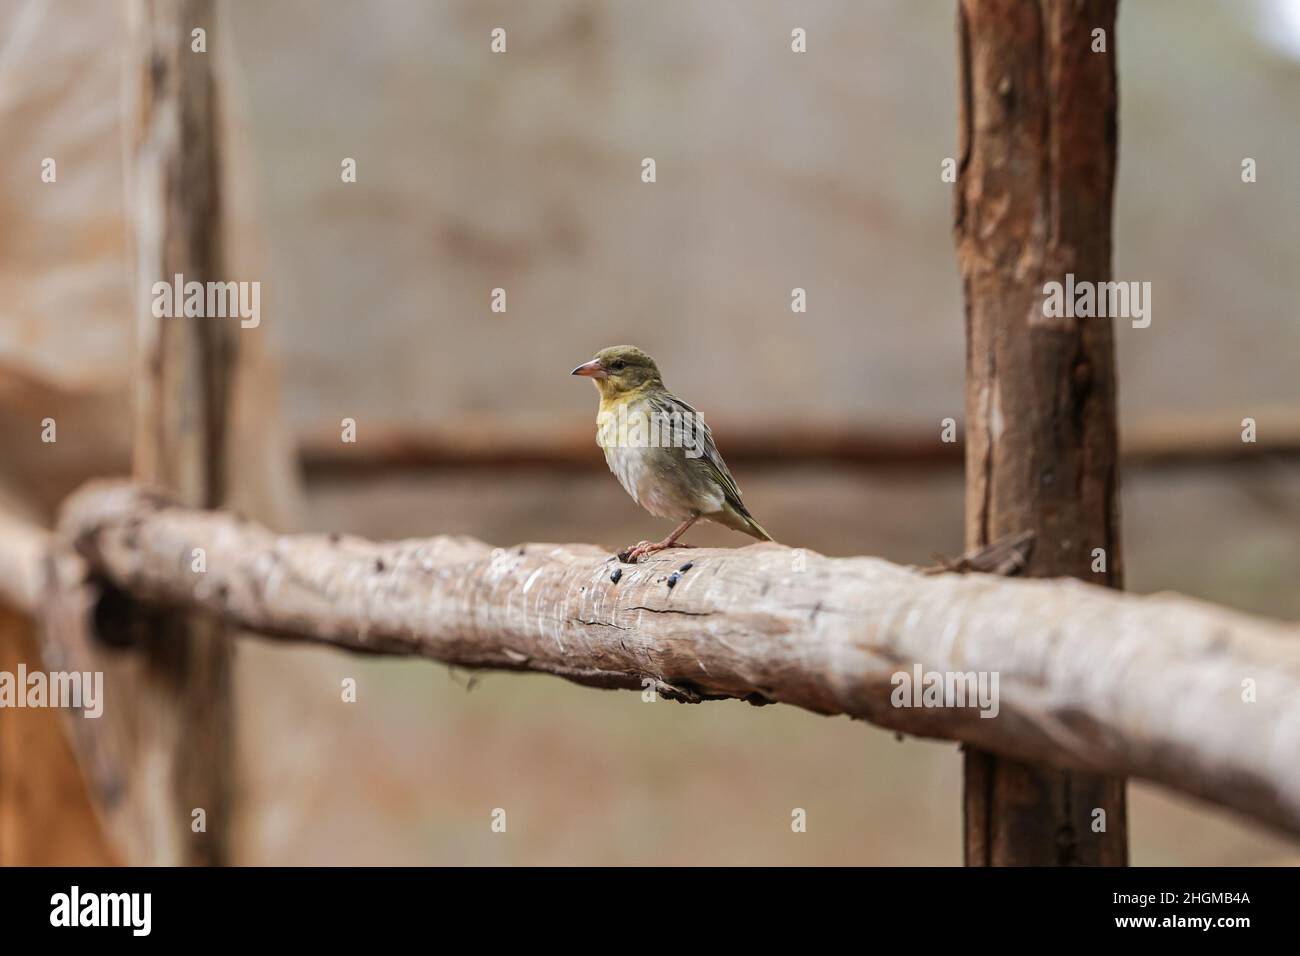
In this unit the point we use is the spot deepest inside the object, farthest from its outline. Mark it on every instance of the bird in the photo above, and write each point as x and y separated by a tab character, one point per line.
661	450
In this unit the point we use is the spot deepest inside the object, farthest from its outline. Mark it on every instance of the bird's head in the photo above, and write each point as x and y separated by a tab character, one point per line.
620	369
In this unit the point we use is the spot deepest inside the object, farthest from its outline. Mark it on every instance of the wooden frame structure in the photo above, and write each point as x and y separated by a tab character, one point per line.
1094	685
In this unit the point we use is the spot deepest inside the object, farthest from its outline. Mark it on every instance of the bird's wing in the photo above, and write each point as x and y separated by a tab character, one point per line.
699	434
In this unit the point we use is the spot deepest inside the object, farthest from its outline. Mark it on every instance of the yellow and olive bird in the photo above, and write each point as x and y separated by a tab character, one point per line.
660	449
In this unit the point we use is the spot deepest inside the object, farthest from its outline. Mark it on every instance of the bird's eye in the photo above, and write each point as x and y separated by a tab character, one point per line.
619	365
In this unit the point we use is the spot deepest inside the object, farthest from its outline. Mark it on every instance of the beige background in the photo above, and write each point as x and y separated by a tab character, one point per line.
774	171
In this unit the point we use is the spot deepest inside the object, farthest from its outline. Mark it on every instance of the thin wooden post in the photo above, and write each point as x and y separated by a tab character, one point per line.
180	763
1033	203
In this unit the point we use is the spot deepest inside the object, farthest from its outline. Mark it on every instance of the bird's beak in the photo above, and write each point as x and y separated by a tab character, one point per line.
592	369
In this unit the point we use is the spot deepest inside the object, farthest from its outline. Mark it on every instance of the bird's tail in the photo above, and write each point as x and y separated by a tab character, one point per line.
739	519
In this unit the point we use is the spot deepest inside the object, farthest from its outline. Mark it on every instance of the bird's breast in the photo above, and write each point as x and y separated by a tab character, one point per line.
658	477
650	480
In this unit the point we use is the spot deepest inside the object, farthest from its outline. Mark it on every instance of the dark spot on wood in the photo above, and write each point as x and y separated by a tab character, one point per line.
112	792
335	537
622	555
379	565
113	618
672	580
615	575
686	567
157	72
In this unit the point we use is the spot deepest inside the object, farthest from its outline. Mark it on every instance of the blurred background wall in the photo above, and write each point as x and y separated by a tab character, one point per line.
522	171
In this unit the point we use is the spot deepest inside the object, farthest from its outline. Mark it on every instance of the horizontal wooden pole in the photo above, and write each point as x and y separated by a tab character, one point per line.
387	448
24	548
382	448
1202	699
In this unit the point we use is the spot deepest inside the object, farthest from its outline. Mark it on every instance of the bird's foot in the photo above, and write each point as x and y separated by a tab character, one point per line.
638	551
634	553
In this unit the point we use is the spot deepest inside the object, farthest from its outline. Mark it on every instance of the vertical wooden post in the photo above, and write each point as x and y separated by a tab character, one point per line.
181	747
1033	203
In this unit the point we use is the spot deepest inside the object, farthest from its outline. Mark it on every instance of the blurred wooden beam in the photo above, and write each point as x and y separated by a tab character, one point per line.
46	815
95	441
384	449
170	800
22	556
1168	443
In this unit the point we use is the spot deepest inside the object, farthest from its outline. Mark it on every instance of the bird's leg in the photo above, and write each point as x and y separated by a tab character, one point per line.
632	555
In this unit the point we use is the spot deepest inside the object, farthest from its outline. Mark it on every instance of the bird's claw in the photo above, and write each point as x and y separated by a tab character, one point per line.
638	551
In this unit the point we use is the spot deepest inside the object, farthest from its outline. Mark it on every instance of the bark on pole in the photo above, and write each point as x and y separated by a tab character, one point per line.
1033	202
179	760
1090	678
